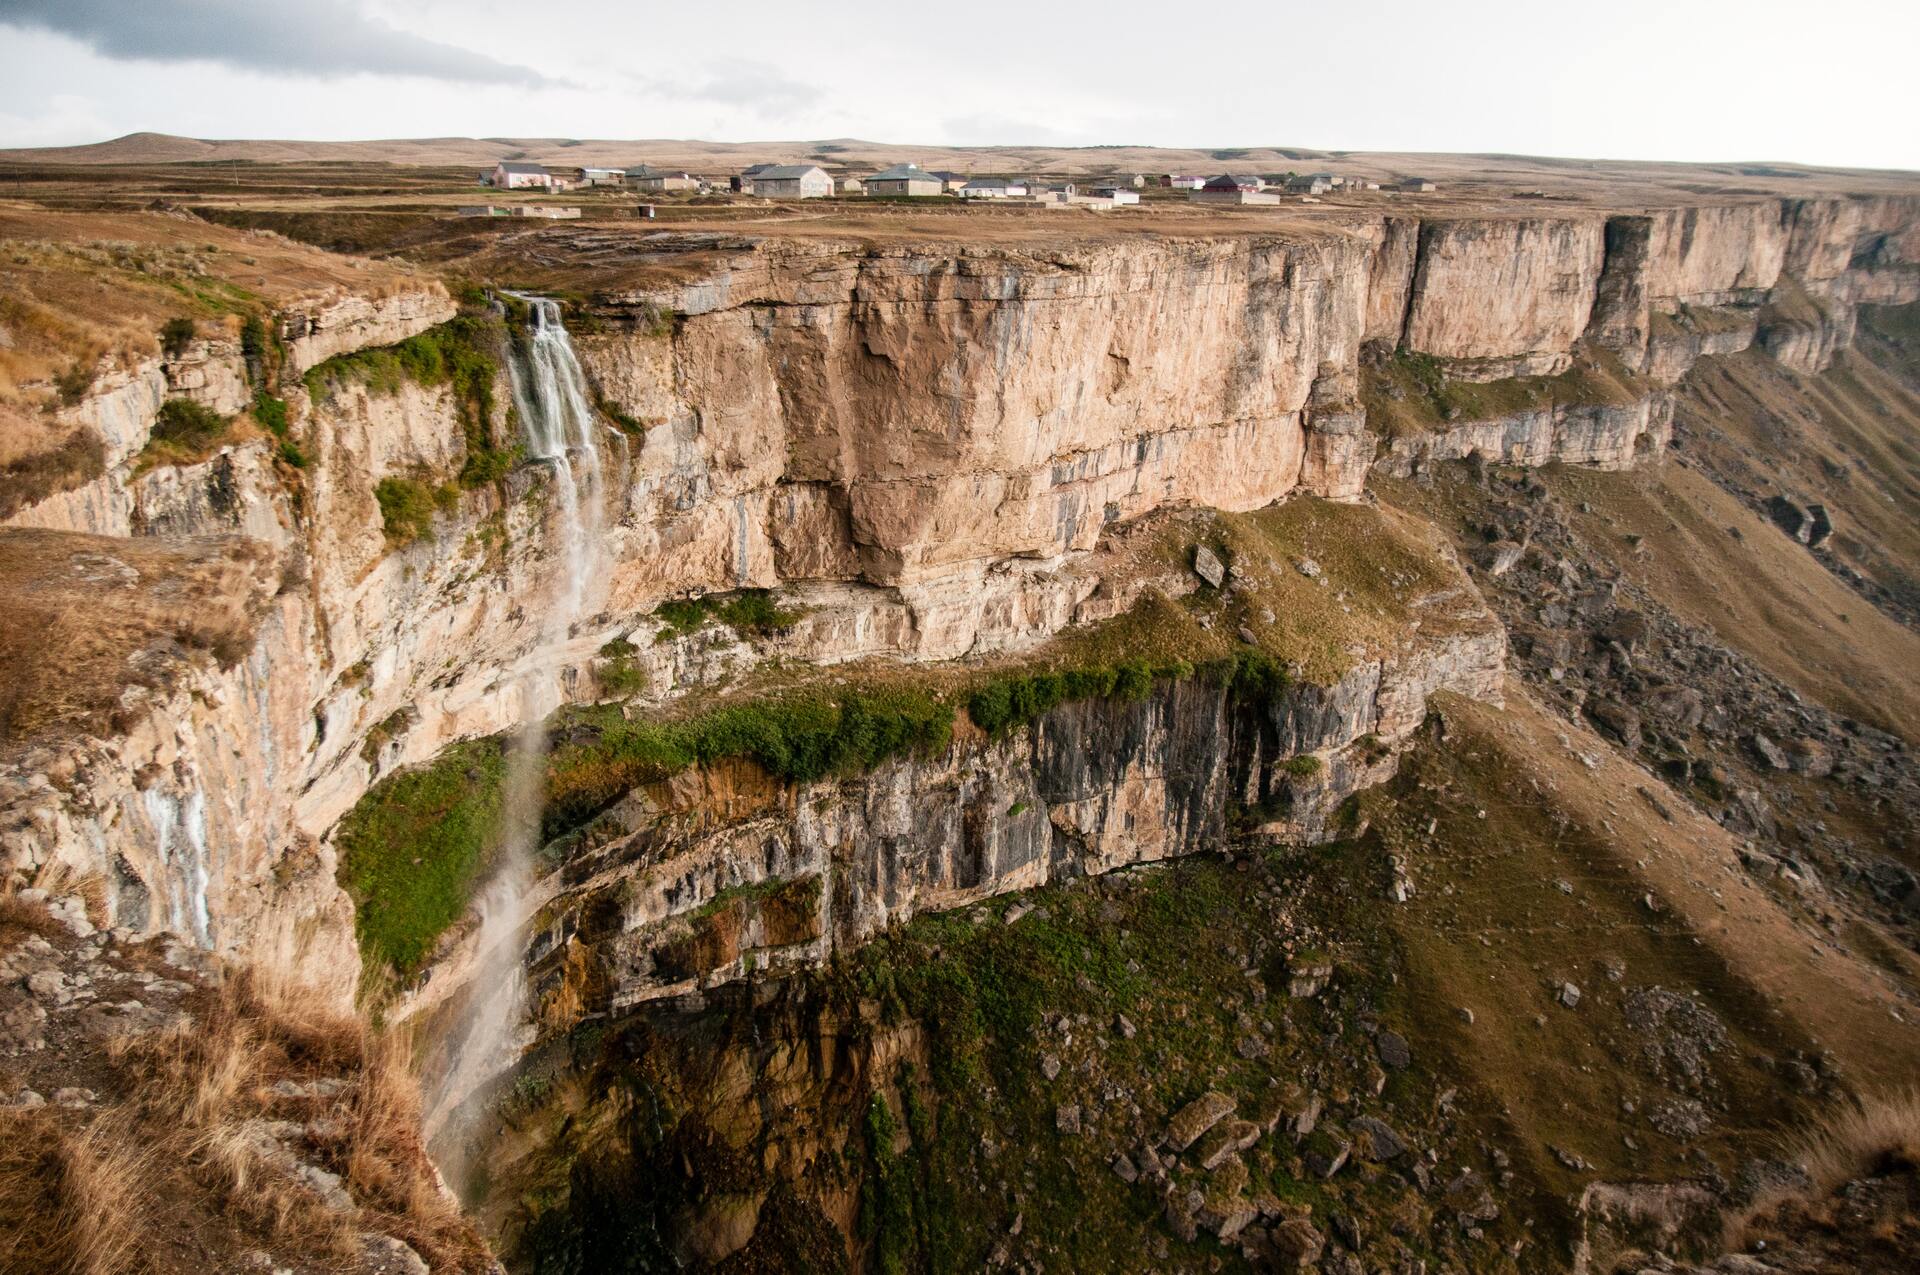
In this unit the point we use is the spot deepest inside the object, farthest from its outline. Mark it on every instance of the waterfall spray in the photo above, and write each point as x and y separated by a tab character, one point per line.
559	428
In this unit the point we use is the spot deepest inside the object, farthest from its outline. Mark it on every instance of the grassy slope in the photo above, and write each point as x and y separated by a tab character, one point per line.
1758	591
1845	438
1620	848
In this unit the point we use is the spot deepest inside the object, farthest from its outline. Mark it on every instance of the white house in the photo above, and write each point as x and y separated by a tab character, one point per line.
792	181
1120	195
1180	181
513	175
993	188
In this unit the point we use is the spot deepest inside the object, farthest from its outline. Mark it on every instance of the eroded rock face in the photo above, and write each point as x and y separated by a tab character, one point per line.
924	444
1513	295
717	873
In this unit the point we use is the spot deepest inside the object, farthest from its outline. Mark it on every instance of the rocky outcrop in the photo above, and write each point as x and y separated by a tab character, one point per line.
316	329
719	872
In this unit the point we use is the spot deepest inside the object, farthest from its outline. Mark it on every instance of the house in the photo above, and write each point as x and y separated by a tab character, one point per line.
791	181
1312	184
1413	184
641	177
993	188
852	186
1234	188
512	175
1120	195
599	177
742	182
952	182
905	179
1180	181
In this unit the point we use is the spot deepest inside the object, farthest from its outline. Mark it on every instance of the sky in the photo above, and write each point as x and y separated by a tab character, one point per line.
1822	83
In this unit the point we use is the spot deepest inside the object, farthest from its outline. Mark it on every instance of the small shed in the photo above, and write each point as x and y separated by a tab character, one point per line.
1415	184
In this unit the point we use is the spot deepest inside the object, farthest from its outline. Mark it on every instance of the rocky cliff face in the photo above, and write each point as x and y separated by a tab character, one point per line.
924	445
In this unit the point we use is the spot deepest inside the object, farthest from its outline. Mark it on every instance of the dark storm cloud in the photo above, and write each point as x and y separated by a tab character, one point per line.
312	37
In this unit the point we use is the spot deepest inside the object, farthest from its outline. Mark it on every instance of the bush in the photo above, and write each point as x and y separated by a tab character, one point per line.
619	676
412	850
1305	766
184	432
175	336
752	613
407	507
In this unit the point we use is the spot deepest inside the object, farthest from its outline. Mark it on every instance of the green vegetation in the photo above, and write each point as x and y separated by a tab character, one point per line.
271	413
407	506
750	613
798	738
1305	766
413	849
184	432
1407	392
619	676
1011	701
463	354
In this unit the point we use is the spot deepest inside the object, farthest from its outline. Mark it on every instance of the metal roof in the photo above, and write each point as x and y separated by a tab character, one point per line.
515	166
903	172
788	172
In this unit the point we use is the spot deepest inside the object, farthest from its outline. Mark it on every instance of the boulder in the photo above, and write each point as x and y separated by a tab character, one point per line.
1375	1139
1207	565
1196	1118
1228	1138
1297	1245
1394	1052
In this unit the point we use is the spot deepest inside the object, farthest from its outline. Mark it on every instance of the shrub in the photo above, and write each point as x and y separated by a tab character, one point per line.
175	336
80	458
412	850
682	616
407	507
184	432
1305	766
1008	702
752	613
619	676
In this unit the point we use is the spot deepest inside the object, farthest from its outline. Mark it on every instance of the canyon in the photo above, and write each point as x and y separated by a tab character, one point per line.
924	570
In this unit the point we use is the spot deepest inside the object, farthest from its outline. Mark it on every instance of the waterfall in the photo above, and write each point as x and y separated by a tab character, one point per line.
559	428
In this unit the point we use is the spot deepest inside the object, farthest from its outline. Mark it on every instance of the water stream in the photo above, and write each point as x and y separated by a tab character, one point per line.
559	428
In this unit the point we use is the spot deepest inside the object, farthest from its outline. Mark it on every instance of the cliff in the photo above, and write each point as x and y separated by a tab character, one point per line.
926	446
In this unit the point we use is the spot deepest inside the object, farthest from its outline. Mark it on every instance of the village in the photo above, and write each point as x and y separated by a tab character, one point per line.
906	181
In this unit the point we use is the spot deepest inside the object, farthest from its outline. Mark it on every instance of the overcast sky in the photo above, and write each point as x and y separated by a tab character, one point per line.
1830	82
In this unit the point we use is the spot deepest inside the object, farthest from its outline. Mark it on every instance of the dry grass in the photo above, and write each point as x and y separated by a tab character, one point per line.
72	1202
1863	1138
1873	1136
82	618
198	1097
